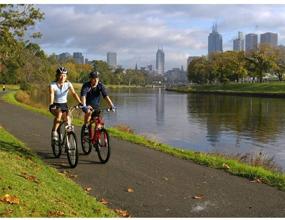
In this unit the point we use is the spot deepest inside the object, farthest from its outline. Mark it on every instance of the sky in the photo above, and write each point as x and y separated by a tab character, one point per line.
135	32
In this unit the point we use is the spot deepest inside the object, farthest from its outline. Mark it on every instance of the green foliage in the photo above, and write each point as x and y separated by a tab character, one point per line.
232	66
198	70
25	86
19	59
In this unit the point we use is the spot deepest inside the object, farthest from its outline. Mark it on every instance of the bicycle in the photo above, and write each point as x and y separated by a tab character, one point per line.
96	136
66	139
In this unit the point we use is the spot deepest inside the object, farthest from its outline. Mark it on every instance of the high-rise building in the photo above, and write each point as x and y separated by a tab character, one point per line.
215	41
112	59
160	62
64	56
78	57
238	44
251	42
269	38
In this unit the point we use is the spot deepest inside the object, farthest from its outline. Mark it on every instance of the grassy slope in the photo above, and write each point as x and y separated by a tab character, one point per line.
220	162
250	88
40	190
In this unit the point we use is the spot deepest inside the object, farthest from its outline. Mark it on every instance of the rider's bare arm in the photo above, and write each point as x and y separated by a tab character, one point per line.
83	100
74	94
51	97
109	101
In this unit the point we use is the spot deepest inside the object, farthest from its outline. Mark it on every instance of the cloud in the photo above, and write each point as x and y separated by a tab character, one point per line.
136	31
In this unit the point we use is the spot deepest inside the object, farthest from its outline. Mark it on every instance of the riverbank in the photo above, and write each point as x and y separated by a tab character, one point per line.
30	188
230	165
272	89
78	86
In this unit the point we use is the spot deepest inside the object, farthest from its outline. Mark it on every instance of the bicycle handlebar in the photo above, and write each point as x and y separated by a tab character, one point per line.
90	108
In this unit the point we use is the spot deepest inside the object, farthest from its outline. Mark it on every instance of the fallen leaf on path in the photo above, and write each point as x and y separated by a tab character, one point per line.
198	197
65	171
55	213
73	176
63	164
104	201
256	181
130	190
10	199
69	175
88	189
123	213
226	166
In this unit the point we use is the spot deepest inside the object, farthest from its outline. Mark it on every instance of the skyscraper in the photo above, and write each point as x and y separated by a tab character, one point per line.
160	62
269	38
250	42
112	59
239	43
78	57
215	41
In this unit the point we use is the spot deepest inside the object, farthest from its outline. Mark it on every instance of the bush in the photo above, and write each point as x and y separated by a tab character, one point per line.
25	86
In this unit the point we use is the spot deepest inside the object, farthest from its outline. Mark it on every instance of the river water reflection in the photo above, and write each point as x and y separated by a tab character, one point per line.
203	122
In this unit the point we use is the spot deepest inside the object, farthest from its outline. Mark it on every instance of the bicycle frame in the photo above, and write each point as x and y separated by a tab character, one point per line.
94	133
65	122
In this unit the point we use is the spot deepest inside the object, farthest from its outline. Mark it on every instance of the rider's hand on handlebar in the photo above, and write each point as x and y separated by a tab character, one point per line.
84	108
52	107
113	108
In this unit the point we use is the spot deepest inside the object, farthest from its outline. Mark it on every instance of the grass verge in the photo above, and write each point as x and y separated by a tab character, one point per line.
272	89
29	188
258	173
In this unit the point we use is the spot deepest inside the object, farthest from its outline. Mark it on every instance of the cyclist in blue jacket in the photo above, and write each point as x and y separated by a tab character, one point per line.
90	96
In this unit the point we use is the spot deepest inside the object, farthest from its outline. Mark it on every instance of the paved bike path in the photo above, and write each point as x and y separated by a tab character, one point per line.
163	185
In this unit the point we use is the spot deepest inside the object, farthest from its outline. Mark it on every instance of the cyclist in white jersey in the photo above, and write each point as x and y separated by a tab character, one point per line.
58	91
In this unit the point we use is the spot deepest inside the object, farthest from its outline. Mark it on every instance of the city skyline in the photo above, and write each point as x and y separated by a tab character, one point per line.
136	31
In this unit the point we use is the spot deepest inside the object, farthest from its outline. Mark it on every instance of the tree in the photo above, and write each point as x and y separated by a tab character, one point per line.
104	69
278	66
14	22
260	61
198	70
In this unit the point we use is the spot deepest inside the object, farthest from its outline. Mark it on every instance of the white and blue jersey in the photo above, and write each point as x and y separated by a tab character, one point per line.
60	93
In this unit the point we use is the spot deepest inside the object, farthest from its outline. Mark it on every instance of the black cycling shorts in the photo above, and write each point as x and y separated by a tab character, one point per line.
62	106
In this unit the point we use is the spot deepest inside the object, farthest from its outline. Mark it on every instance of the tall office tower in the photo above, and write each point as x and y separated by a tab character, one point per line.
269	38
160	62
64	56
215	41
250	42
239	43
78	57
112	59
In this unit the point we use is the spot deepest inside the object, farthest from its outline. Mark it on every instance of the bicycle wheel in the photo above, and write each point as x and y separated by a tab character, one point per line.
56	145
103	146
85	141
72	150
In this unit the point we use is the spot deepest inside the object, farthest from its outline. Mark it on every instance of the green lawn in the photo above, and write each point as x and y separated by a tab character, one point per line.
29	188
249	88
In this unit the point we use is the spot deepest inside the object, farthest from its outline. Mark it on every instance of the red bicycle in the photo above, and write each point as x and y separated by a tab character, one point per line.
96	136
